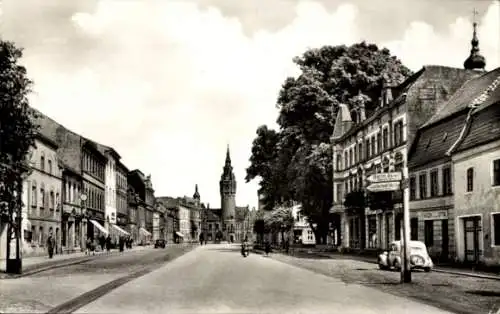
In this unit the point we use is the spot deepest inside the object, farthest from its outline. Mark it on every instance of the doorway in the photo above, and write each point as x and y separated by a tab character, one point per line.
472	228
445	240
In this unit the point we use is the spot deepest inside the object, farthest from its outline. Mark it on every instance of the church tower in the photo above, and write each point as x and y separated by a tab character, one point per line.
228	199
475	61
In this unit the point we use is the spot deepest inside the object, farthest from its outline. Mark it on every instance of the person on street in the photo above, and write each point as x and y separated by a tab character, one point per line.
267	248
121	243
88	246
51	243
108	243
201	238
102	242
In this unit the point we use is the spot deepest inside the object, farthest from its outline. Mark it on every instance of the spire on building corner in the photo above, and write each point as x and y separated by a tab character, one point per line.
196	194
228	157
475	59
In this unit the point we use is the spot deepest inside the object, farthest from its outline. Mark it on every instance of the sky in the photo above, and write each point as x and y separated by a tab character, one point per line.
169	84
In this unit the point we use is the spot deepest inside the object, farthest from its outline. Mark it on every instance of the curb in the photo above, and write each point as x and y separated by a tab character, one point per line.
435	269
63	263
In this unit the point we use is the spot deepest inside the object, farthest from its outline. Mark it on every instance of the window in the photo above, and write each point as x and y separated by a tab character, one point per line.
33	195
429	232
385	139
57	201
422	185
352	156
373	145
346	155
470	179
52	200
413	188
379	143
50	166
414	229
339	162
346	187
360	150
496	228
368	149
434	183
42	195
339	192
496	172
447	181
398	132
42	163
356	155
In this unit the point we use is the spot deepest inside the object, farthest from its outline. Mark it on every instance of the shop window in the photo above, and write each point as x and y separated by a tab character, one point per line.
429	233
496	229
414	229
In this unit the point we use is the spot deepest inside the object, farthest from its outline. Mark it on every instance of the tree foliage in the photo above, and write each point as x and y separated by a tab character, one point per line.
295	163
17	130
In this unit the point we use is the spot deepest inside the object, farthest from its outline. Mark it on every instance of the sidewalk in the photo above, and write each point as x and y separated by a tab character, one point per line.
36	264
369	259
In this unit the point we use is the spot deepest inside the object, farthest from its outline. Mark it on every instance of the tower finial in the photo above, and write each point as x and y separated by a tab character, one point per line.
475	59
228	157
196	195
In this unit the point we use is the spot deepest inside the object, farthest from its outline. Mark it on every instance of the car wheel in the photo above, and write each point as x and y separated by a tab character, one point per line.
427	269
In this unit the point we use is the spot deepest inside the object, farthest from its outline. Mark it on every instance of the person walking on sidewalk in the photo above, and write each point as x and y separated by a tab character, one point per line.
102	242
88	246
108	243
51	243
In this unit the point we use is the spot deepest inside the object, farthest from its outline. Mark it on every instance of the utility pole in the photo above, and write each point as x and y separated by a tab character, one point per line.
406	251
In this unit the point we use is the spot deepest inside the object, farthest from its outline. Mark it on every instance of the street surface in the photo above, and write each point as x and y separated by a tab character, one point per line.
217	279
455	293
43	291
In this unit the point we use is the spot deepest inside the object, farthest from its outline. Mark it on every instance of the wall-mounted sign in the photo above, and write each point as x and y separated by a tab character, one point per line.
434	215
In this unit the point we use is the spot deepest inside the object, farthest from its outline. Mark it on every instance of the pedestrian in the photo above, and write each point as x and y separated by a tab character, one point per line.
267	248
121	243
108	243
51	243
102	242
88	246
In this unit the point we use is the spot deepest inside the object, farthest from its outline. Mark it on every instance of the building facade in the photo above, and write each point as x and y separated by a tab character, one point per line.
142	189
93	168
71	222
42	191
121	197
476	168
368	145
302	232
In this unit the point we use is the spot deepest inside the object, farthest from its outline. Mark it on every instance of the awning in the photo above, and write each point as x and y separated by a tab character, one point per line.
144	231
99	226
120	229
179	234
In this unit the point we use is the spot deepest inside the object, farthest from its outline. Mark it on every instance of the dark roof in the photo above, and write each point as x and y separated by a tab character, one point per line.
443	130
214	214
484	128
432	143
465	95
103	149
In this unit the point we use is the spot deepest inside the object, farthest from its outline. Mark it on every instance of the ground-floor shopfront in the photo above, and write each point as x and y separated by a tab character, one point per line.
434	227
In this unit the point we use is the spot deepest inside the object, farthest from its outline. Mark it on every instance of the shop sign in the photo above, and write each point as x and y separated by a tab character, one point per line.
434	215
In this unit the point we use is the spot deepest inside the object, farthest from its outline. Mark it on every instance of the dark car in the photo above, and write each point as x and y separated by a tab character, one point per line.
160	244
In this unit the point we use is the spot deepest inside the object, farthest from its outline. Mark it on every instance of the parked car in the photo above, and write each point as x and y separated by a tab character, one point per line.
419	257
160	244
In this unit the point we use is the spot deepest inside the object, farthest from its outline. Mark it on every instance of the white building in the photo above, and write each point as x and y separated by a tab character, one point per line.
110	212
302	232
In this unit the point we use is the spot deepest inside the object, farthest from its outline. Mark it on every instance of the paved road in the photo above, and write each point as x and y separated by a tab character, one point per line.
44	291
217	279
455	293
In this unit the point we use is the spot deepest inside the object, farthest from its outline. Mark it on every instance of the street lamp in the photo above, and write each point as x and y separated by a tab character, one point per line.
83	198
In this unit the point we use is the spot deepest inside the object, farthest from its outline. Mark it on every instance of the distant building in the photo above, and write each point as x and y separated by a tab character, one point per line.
302	232
142	205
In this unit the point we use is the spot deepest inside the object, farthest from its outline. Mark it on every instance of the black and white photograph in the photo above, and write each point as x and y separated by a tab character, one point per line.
250	156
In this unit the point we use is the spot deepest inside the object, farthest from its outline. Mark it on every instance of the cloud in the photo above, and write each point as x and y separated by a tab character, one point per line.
169	84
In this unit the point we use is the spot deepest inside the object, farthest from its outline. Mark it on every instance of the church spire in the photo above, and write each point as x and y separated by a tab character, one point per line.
475	59
228	157
196	194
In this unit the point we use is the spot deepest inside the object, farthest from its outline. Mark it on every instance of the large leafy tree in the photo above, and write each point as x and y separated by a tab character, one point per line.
301	167
17	133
